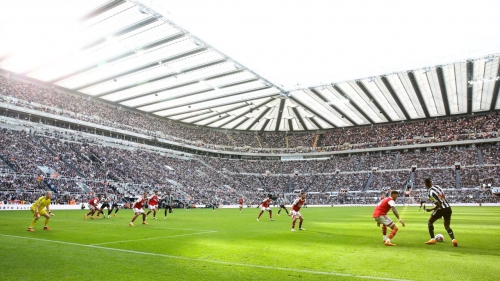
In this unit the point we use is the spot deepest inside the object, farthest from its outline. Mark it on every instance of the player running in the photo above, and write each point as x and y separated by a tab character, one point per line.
240	203
105	204
93	206
380	216
215	204
295	211
153	204
265	207
38	210
422	201
114	206
281	203
168	204
138	209
441	209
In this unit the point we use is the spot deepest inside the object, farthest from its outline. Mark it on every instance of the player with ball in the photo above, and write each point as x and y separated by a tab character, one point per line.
442	209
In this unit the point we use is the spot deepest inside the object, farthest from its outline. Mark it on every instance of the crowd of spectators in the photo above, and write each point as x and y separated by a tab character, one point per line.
430	131
491	154
113	168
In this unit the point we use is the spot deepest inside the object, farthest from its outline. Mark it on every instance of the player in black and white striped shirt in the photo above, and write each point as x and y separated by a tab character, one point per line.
281	203
441	209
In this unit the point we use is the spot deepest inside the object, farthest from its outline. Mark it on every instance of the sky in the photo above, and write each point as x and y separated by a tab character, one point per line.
297	43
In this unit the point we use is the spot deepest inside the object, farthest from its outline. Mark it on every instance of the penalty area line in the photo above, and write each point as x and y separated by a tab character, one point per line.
154	238
212	261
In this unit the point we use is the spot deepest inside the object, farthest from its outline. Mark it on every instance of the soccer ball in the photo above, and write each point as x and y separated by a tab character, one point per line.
440	238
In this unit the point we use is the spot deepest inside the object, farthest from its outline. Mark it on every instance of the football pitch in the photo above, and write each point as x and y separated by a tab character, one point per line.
339	243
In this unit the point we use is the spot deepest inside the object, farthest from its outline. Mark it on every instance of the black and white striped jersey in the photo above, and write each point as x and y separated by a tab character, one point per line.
436	194
280	201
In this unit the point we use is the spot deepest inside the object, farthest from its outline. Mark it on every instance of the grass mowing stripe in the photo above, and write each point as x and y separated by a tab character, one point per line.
153	238
105	223
211	261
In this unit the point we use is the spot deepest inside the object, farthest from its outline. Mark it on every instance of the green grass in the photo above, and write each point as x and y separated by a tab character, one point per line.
339	244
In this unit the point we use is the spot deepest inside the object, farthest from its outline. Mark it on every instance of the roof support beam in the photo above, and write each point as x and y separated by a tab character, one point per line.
301	121
213	114
239	123
395	96
99	41
202	100
121	32
201	112
144	67
375	102
265	124
280	114
160	78
238	83
210	106
106	7
216	120
119	57
496	92
418	93
315	123
337	88
290	124
313	111
444	94
470	87
338	110
258	118
245	112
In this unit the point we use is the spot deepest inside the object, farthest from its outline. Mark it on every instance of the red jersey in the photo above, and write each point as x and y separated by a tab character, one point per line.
94	201
383	207
139	203
266	202
297	204
240	201
153	200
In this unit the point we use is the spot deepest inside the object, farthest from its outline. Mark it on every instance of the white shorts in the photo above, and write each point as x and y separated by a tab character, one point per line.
385	220
153	207
92	207
295	214
241	206
140	211
265	209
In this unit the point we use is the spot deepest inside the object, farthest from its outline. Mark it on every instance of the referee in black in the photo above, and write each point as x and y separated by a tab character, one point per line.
442	209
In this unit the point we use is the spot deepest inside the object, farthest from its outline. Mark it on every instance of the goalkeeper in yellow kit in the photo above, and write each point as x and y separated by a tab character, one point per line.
38	209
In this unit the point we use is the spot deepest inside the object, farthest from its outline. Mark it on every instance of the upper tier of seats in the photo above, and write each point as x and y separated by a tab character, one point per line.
430	131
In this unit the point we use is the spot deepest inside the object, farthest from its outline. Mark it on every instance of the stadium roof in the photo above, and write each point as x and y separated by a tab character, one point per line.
127	53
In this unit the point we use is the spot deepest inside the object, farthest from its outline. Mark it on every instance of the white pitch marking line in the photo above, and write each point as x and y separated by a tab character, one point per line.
214	261
153	238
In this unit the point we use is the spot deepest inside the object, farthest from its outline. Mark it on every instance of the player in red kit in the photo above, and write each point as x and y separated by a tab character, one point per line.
93	206
240	203
295	211
153	204
265	207
138	209
380	216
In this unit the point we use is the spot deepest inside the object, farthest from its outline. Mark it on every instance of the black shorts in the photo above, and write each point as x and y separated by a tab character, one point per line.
422	202
282	206
105	205
114	205
444	213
